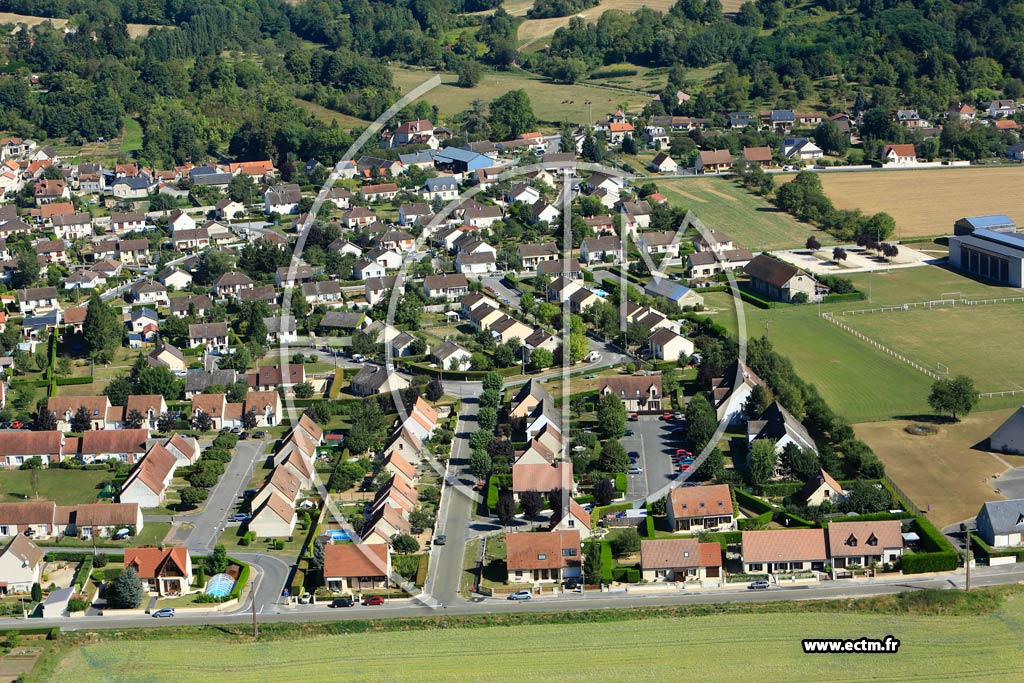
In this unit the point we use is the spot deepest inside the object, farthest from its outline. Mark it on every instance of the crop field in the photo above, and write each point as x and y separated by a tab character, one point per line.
551	102
655	649
927	202
754	223
937	338
928	468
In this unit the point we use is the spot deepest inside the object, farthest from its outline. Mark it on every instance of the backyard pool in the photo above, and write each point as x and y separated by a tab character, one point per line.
338	535
220	585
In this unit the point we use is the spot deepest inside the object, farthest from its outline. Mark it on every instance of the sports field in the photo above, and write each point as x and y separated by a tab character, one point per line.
928	468
979	341
927	202
859	382
728	647
551	102
723	205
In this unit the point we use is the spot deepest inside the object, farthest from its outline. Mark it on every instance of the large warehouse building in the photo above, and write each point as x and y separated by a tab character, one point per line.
995	256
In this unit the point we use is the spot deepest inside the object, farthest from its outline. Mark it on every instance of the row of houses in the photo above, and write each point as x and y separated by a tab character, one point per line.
274	507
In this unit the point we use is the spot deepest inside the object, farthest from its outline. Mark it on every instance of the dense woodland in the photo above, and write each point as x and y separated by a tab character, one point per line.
222	80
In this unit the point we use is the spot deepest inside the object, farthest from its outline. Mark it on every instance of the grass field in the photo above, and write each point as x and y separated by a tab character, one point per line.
65	487
551	102
933	336
134	30
131	136
721	647
929	468
754	223
927	202
859	382
325	114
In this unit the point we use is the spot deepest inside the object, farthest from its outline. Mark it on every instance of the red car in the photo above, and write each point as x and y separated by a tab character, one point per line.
634	417
16	424
683	468
374	600
683	451
666	416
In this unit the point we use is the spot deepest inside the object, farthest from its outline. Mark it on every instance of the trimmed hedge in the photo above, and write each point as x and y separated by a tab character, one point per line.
723	538
621	483
626	575
939	556
985	551
648	527
77	556
67	381
492	494
421	570
754	300
752	503
607	562
850	296
759	521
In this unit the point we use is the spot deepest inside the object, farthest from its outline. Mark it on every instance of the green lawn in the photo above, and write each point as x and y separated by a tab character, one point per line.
723	205
722	647
152	534
551	102
64	487
859	382
131	140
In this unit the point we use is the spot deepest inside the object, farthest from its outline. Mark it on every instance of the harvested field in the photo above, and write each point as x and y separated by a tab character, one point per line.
134	30
533	30
927	202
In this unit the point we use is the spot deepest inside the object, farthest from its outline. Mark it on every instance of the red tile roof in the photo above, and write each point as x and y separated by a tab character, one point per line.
700	501
355	560
547	550
784	545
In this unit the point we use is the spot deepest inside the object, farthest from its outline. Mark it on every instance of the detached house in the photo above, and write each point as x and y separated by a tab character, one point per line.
714	161
355	567
549	557
1001	523
212	336
639	393
165	571
784	550
900	154
864	544
531	255
448	287
701	508
779	280
680	560
282	199
778	424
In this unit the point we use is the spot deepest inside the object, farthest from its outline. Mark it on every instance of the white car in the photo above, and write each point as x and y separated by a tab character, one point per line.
635	470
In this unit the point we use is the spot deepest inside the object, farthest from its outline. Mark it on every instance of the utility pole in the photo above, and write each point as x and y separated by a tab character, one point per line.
967	556
255	624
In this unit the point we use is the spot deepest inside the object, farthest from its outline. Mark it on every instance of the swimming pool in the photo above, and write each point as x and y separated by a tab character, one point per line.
339	535
220	585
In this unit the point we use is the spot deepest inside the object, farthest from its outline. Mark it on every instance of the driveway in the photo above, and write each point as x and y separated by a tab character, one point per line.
501	291
654	441
1011	484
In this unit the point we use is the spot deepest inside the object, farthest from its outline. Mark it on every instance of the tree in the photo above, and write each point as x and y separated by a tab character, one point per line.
133	419
127	591
217	562
613	457
192	496
102	329
242	188
405	544
480	463
37	592
202	421
626	542
838	254
166	422
955	396
45	420
420	519
604	492
250	419
864	498
434	390
511	114
81	421
470	72
540	359
812	243
303	390
493	381
830	139
611	417
592	570
487	418
368	427
701	422
763	460
578	347
759	398
798	463
506	508
532	503
713	466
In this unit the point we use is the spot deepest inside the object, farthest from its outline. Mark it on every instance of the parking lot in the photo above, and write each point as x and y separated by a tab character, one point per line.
655	442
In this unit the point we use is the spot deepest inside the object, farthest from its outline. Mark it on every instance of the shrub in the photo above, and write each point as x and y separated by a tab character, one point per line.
204	598
100	561
626	575
279	544
621	482
606	562
78	604
127	591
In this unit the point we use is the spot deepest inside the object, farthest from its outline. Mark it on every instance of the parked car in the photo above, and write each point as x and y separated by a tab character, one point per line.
520	595
677	415
341	602
683	451
760	584
243	436
258	435
666	416
241	517
374	600
17	424
572	583
634	417
635	470
440	539
164	612
305	599
630	432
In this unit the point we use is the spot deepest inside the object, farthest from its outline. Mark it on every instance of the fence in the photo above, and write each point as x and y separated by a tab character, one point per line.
881	347
899	492
994	394
936	302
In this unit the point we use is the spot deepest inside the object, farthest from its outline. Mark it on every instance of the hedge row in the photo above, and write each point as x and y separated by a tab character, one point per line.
67	381
985	551
606	562
850	296
940	555
614	73
79	556
757	522
648	527
621	483
421	570
723	538
752	503
754	300
626	575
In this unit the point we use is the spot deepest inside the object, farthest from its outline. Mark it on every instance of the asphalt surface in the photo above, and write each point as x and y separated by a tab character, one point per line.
654	441
981	576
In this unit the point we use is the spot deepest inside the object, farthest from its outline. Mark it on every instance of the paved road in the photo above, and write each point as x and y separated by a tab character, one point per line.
501	290
982	576
454	515
224	498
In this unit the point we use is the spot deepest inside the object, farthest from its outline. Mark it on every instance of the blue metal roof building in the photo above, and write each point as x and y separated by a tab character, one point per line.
997	222
462	160
990	255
